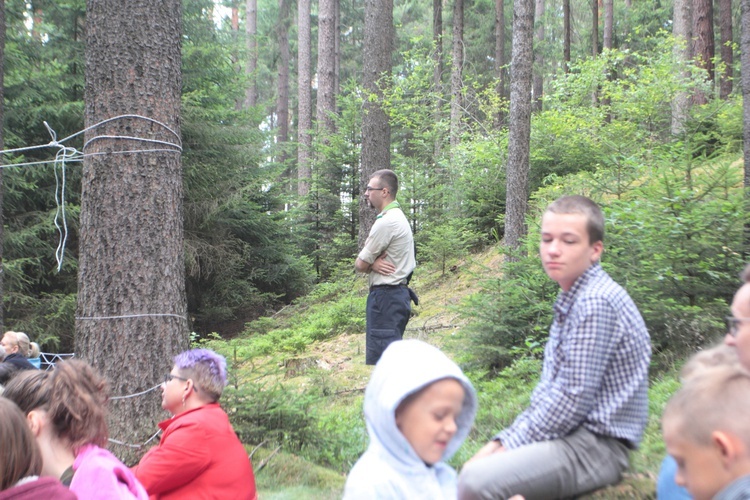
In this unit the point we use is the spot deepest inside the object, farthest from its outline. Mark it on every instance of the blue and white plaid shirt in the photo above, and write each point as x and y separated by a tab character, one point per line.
595	369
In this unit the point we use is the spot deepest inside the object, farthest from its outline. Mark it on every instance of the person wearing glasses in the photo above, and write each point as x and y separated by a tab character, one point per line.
388	260
199	455
738	324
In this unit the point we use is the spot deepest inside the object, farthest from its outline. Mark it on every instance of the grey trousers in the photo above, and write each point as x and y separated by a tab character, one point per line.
562	468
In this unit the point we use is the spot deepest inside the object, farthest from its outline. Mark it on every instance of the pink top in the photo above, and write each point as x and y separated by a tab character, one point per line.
99	474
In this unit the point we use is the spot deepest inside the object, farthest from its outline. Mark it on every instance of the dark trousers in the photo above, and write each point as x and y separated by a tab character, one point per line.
388	309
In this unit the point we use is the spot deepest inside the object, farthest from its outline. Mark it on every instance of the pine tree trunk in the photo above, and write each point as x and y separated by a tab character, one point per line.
2	146
304	97
132	312
595	27
500	69
703	42
376	130
251	30
437	72
519	132
456	71
609	18
326	66
566	35
725	27
538	81
437	40
681	30
745	72
282	85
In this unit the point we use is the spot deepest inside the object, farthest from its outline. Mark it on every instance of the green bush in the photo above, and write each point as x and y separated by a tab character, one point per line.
510	315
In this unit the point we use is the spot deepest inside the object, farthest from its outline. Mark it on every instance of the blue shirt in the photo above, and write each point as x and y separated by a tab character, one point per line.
595	371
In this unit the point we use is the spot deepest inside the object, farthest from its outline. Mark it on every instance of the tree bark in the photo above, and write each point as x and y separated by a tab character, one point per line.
681	30
725	27
326	104
500	69
745	75
437	72
376	129
456	71
566	35
251	30
304	97
132	313
437	40
703	42
2	146
595	27
609	18
538	81
519	134
282	87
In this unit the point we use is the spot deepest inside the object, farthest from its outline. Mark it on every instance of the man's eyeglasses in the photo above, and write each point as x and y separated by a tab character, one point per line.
733	324
368	189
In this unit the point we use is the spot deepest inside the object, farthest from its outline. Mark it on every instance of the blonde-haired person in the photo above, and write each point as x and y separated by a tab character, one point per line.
199	454
21	461
35	355
707	433
16	345
66	410
706	359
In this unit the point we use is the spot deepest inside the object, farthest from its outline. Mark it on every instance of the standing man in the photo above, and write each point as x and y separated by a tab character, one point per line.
591	404
388	259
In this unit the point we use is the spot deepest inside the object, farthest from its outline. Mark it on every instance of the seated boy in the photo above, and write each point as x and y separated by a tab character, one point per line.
591	404
419	408
707	432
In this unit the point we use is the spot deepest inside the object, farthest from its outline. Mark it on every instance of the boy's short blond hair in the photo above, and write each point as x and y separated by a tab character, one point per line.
714	399
718	355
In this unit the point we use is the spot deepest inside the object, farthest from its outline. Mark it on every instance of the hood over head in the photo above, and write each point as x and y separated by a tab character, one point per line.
405	367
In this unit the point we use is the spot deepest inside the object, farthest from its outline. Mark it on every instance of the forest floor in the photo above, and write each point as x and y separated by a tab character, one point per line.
338	365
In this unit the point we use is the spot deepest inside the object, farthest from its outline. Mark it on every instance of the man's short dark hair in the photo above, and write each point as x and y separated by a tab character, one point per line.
581	205
388	179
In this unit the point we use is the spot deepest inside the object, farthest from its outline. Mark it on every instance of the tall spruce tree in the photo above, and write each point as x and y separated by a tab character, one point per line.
132	314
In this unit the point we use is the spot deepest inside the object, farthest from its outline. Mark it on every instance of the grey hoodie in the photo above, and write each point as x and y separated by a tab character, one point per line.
390	468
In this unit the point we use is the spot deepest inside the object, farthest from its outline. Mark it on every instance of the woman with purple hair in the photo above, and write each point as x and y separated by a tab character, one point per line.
199	455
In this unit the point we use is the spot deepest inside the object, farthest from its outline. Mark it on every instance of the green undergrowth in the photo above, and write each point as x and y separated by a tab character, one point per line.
287	476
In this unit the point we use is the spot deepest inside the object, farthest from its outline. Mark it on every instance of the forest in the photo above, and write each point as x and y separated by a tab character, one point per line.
487	111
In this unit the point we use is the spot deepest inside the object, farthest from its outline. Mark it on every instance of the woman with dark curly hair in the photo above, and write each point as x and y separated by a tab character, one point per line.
199	455
21	461
66	410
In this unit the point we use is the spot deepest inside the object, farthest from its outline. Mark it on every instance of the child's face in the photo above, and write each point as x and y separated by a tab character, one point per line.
699	467
565	249
429	421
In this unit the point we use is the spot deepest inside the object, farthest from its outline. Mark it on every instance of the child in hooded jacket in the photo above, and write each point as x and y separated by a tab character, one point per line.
419	408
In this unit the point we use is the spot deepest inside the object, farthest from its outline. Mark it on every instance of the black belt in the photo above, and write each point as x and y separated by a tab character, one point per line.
373	287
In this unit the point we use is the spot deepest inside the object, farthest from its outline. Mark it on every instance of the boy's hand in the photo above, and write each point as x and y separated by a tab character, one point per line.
493	446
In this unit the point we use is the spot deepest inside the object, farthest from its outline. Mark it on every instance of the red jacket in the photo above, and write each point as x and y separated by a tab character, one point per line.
199	457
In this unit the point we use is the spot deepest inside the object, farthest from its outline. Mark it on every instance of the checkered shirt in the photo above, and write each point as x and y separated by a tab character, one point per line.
595	370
